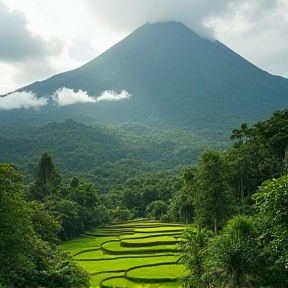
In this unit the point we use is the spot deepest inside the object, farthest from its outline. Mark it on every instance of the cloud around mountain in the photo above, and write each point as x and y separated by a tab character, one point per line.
62	97
65	96
18	100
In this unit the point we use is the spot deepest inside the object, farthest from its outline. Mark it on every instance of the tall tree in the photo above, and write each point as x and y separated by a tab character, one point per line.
181	207
17	237
259	151
47	179
213	199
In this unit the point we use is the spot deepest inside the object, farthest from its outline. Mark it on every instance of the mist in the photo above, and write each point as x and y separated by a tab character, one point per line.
66	96
127	15
112	96
61	97
24	100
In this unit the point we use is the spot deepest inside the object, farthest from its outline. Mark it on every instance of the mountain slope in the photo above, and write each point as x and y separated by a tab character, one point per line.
176	78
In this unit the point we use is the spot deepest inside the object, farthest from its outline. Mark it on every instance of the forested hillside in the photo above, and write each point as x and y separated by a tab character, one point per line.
235	201
104	155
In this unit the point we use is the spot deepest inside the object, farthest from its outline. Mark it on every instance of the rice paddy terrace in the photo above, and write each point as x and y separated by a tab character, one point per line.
142	253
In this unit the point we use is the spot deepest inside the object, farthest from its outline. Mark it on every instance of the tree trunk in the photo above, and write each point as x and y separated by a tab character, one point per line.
215	224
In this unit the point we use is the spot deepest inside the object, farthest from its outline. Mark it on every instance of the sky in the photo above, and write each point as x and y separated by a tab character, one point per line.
43	38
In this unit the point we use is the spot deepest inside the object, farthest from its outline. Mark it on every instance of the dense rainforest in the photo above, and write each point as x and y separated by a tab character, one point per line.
235	199
104	155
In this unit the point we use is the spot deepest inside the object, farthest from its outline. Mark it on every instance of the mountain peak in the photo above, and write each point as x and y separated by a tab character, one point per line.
175	78
168	27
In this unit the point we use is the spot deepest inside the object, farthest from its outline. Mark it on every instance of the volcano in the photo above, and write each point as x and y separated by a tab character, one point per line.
176	79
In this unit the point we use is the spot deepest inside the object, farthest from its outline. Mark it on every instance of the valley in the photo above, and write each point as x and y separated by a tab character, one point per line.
160	163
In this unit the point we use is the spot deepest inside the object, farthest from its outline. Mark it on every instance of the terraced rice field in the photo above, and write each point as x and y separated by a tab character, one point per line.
134	254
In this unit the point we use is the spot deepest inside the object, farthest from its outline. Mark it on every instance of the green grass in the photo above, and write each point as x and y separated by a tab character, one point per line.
145	235
115	247
109	231
122	282
157	272
143	224
157	238
82	243
99	255
94	280
122	264
120	259
160	229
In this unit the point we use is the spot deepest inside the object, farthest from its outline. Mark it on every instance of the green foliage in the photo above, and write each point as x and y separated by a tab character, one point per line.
156	209
230	258
139	192
194	251
47	179
213	199
67	213
259	151
77	207
120	214
271	207
45	225
233	256
17	237
28	235
62	271
103	155
206	193
181	207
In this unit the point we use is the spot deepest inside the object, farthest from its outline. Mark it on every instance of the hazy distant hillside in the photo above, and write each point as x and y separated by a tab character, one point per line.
103	155
176	78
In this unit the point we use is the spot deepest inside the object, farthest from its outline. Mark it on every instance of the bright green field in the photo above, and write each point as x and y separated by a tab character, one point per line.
115	246
88	253
122	264
94	280
99	255
82	243
147	235
78	244
130	284
149	240
160	229
158	272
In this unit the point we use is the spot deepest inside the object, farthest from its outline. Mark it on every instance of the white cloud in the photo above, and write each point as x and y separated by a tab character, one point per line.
24	99
62	97
66	96
127	15
112	96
